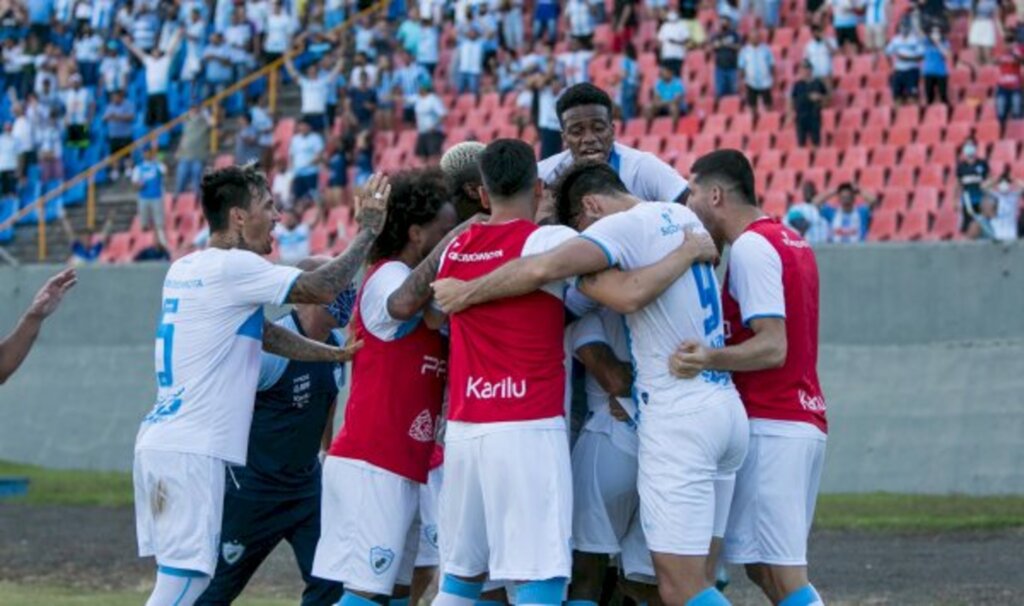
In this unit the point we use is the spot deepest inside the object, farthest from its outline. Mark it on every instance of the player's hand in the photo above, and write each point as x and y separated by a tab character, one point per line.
618	412
450	295
371	203
346	353
50	295
689	360
700	247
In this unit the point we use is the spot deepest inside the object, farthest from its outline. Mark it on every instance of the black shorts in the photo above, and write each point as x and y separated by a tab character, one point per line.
78	135
905	82
156	110
753	94
429	144
847	35
119	143
8	182
305	185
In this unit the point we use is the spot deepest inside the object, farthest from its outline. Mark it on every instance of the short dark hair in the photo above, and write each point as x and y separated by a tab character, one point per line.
416	198
582	179
227	188
582	94
845	186
508	167
730	167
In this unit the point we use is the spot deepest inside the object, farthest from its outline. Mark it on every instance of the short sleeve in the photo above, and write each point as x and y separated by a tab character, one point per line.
616	235
755	278
250	279
272	367
373	305
547	237
661	182
586	331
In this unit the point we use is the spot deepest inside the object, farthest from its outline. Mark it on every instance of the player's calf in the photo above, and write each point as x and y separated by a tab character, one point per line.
177	587
588	570
682	581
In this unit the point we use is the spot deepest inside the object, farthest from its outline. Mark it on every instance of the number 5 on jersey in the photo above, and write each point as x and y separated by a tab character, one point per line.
165	343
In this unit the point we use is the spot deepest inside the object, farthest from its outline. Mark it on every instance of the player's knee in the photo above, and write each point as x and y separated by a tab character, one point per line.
548	592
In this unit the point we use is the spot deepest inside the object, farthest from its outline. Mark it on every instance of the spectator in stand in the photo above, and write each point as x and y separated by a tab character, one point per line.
158	69
655	9
507	71
905	51
362	65
818	52
850	222
148	179
408	34
1008	86
114	69
574	64
811	218
629	83
757	69
409	77
280	28
1005	194
511	16
625	20
363	153
337	181
292	236
363	102
726	44
430	112
429	50
305	155
88	46
579	17
935	67
264	124
247	141
808	96
971	173
24	133
240	34
548	88
487	24
770	13
876	24
219	72
145	26
470	63
193	152
673	40
78	113
545	20
668	97
86	247
9	173
281	184
314	88
119	117
16	64
729	10
387	85
984	30
50	148
334	85
846	15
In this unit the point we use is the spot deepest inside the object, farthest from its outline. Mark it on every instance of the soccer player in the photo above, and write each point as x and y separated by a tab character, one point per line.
585	113
770	305
462	172
207	354
692	432
381	457
276	496
15	347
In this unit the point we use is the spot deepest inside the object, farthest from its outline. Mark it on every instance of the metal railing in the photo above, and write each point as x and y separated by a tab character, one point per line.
271	71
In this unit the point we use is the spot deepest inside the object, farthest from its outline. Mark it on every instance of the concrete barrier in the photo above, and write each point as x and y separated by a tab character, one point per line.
921	360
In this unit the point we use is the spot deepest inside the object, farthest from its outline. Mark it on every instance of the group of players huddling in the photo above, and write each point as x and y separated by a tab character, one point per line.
483	281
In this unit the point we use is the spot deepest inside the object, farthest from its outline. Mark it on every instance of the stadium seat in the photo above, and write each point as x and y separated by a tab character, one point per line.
872	178
840	174
884	156
879	117
636	127
883	226
760	141
958	132
733	140
944	154
775	203
855	157
816	175
931	175
769	122
729	105
826	157
931	134
946	226
913	226
871	137
915	154
851	119
987	131
742	123
901	176
769	160
964	113
652	143
661	126
702	144
894	199
926	199
900	135
1004	151
1015	130
936	115
798	159
783	180
715	124
118	248
907	115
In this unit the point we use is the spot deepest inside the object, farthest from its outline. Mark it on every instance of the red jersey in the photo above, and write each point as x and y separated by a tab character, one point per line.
772	273
1009	69
397	387
506	360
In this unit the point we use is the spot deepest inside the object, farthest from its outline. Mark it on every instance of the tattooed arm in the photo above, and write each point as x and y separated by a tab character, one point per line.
414	294
323	284
293	346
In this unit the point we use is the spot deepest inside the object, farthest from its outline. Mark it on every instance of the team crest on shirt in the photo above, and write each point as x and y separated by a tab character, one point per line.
430	534
381	559
422	429
232	552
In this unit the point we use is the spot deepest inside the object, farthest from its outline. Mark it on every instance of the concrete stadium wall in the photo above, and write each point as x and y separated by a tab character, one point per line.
922	362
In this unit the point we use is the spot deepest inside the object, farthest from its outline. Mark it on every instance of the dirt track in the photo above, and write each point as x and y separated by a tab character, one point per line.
93	548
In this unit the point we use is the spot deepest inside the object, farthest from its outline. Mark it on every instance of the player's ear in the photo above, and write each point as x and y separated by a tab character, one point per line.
485	201
591	205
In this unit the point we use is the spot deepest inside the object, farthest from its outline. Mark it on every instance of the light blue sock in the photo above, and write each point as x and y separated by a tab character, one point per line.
457	592
805	596
548	592
708	597
489	603
580	603
399	602
351	599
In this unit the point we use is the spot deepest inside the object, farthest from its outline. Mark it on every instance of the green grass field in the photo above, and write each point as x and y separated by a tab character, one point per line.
873	511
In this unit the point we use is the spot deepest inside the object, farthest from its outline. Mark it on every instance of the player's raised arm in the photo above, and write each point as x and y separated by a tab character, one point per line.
293	346
629	291
15	347
524	275
323	285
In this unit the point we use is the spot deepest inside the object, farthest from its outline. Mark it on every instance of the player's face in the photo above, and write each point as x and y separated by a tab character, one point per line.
258	227
432	233
588	132
702	202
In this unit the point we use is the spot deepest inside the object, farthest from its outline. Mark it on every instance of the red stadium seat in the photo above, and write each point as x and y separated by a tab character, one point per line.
931	134
907	115
798	159
676	145
872	178
816	175
688	125
894	199
855	157
742	123
760	142
715	124
947	224
842	138
729	105
851	119
931	175
964	113
884	155
785	139
901	176
775	203
958	132
1015	130
935	115
769	160
731	140
652	143
944	154
915	154
914	225
661	126
1004	151
879	117
703	144
826	157
783	180
987	131
883	225
926	199
636	127
840	174
871	137
769	122
900	135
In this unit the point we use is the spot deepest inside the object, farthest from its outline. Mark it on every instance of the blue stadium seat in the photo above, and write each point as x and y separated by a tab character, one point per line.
27	194
8	206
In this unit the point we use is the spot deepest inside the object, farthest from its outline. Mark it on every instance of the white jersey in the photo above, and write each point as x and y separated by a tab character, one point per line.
643	173
605	326
373	304
208	346
690	309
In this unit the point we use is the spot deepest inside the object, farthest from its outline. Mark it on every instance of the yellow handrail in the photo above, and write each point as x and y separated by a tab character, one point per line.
89	174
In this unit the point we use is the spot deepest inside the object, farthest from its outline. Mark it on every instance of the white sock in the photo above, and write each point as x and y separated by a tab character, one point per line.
175	587
456	592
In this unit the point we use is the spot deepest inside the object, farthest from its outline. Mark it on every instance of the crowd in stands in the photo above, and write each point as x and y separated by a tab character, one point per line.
85	78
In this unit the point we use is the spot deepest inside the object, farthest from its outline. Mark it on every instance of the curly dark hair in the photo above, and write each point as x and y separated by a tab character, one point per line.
581	94
417	196
227	188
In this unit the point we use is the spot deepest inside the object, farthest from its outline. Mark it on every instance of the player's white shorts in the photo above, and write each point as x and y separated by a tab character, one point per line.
179	503
368	526
605	500
427	553
506	502
682	455
776	489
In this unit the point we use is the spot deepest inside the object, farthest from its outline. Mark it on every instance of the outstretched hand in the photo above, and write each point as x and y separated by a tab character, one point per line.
50	295
371	203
